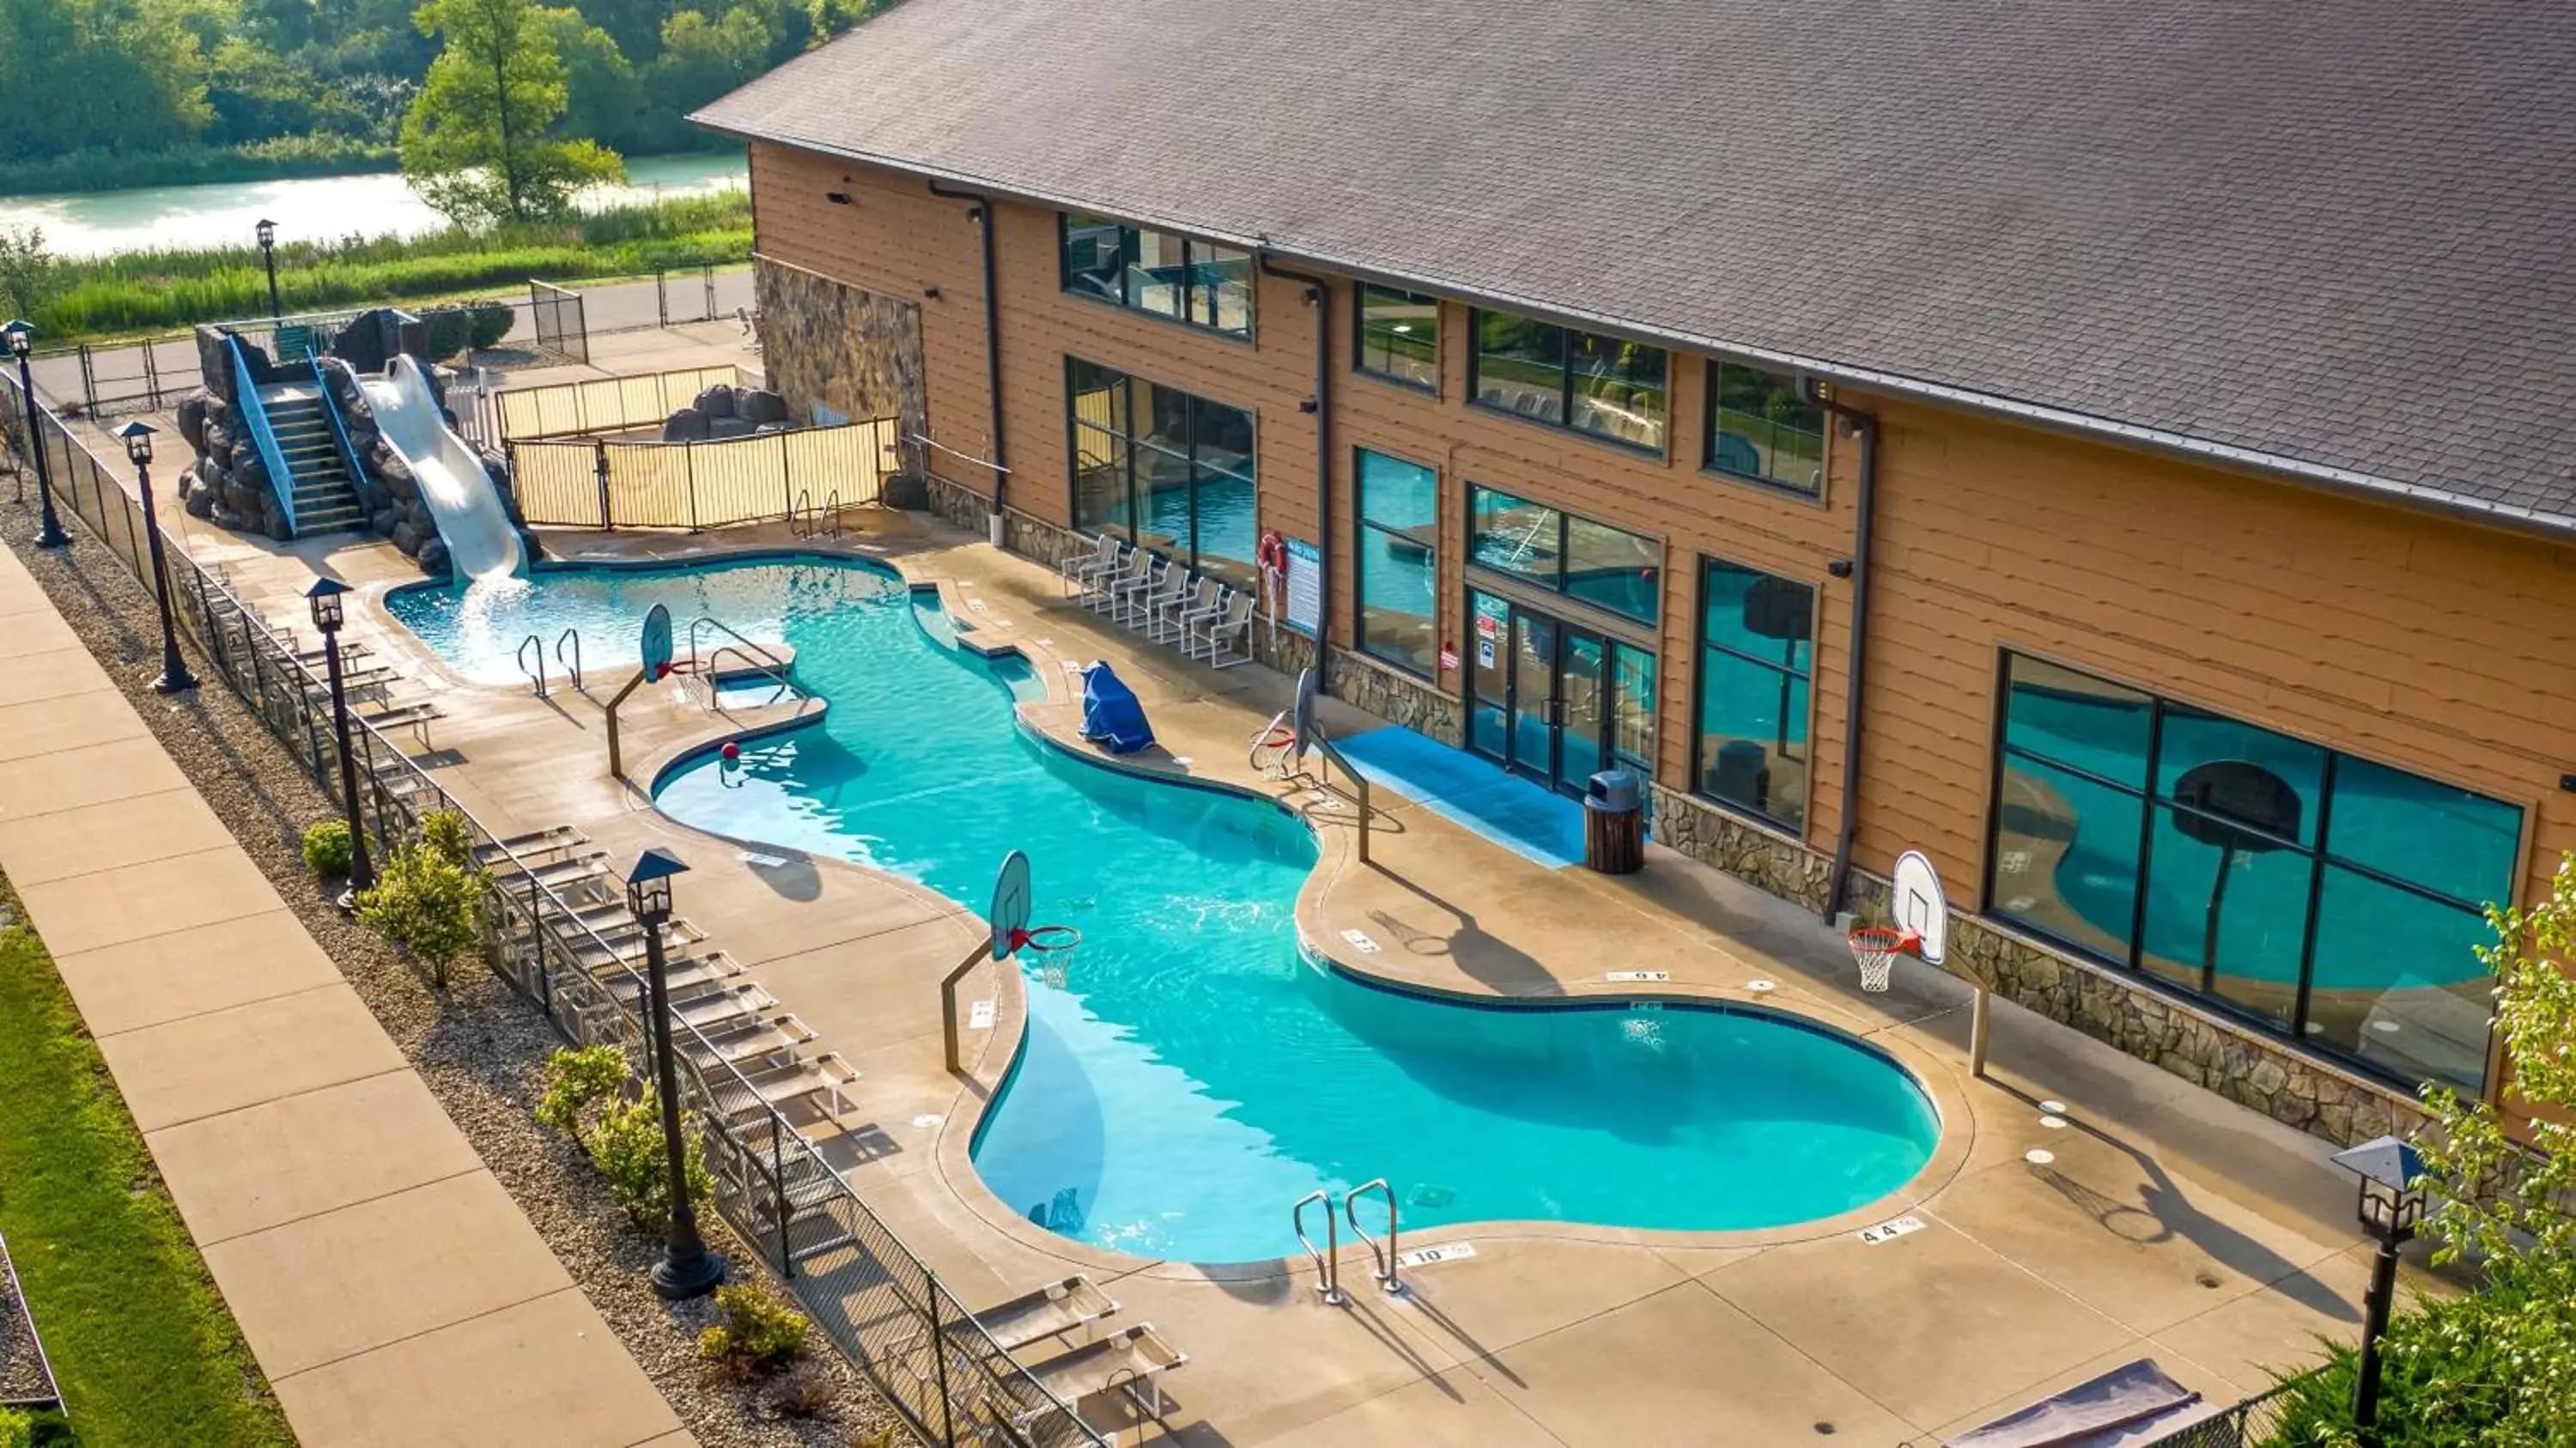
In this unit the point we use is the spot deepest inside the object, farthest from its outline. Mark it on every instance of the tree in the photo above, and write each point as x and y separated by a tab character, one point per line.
478	142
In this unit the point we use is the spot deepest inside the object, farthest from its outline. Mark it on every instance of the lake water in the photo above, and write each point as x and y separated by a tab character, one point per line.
314	208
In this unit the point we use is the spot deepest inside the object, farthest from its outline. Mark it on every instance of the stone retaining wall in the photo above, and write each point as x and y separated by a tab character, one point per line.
1741	848
1397	698
853	351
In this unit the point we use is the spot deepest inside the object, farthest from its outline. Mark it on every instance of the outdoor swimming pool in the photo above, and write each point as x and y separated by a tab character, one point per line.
1195	1075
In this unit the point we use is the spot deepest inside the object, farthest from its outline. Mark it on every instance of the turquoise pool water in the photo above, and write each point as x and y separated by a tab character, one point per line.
1193	1075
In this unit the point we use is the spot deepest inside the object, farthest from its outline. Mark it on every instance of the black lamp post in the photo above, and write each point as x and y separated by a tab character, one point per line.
175	677
2392	1207
324	596
268	254
49	532
687	1268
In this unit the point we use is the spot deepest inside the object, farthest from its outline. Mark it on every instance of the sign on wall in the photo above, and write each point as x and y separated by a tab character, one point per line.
1305	588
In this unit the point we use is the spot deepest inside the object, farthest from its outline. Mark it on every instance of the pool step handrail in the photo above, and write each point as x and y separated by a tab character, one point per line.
796	508
716	676
1328	1270
1322	743
572	636
832	513
536	672
1385	1270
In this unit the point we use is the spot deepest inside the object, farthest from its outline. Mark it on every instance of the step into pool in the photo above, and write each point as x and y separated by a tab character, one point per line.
1194	1073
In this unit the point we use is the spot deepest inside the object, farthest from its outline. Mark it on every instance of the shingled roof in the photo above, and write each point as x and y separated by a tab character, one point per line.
2337	238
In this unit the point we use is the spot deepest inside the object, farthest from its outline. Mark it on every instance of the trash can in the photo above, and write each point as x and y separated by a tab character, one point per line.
1614	824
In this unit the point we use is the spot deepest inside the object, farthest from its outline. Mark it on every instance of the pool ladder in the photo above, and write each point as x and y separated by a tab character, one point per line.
1328	1266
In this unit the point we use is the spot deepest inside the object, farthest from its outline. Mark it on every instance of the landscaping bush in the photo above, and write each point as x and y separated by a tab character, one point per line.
625	1143
326	849
803	1391
473	325
757	1333
579	1080
17	1430
428	898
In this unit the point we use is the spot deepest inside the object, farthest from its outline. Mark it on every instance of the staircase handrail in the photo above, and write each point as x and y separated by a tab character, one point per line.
254	415
536	673
708	620
340	433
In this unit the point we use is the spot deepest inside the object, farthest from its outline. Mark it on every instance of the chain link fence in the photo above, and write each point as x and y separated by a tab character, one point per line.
877	1300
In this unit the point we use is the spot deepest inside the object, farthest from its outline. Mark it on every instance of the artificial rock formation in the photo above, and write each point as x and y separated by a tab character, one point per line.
722	411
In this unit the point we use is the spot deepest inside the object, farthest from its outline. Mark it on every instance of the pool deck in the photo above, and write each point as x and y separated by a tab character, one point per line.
2168	1223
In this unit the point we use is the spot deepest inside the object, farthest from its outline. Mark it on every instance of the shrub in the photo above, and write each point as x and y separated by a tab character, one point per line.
625	1143
17	1430
579	1079
443	833
326	849
427	903
803	1391
756	1332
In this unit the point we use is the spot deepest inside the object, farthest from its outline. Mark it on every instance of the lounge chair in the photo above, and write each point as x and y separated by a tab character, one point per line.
1080	570
1054	1310
1131	1360
1218	636
1127	602
1169	595
1172	623
1135	569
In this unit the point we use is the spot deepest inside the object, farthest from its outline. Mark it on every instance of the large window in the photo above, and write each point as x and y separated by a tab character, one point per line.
1399	563
1557	375
1399	336
1759	427
1558	551
1188	280
1164	469
2335	900
1756	649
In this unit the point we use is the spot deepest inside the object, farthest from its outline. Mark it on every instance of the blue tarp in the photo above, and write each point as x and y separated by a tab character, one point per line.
1110	714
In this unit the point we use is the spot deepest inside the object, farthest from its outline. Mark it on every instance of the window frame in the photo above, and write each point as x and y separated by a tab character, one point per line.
2319	858
1074	425
1564	422
1701	645
1564	527
1708	439
1189	288
1359	337
1362	526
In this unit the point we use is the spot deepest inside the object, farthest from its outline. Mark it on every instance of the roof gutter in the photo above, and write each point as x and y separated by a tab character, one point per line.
1865	510
2345	482
1319	293
983	217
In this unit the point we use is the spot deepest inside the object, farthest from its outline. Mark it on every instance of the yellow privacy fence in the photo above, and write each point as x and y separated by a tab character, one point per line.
607	404
597	484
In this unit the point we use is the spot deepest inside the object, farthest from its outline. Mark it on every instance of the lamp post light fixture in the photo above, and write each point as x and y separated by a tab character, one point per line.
268	254
49	532
325	598
2392	1207
687	1268
175	677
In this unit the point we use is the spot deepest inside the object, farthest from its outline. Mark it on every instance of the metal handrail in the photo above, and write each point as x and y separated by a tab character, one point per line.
804	499
1328	1270
254	415
349	460
1324	746
574	636
1385	1260
538	672
832	513
708	620
715	676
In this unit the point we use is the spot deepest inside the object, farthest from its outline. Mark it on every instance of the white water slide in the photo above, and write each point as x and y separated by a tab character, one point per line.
461	498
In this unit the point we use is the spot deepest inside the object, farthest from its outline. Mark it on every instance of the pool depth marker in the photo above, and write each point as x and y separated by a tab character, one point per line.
657	666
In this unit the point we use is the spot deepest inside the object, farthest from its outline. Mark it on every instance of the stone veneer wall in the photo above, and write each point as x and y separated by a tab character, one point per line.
2248	1067
1397	698
853	351
1745	850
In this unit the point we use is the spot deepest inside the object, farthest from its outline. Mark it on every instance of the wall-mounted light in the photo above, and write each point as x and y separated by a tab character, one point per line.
1840	568
931	292
2567	782
1306	405
837	198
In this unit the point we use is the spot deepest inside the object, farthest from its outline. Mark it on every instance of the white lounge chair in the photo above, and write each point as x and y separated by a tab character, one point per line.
1135	570
1218	636
1168	597
1081	569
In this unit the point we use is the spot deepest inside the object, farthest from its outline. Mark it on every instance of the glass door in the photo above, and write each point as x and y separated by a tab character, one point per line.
1583	715
1489	677
1534	702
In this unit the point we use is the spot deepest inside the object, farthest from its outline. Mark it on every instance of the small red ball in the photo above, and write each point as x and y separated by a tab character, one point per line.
732	751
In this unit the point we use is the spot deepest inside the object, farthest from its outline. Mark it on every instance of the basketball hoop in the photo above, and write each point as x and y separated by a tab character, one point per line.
1876	948
1054	945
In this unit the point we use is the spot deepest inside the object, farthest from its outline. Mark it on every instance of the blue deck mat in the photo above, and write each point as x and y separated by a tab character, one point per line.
1516	813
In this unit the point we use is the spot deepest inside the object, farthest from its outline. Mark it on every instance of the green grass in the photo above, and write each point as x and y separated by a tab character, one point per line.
146	1352
144	291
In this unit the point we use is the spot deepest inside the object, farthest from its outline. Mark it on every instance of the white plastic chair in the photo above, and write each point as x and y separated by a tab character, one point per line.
1169	623
1137	587
1208	604
1221	633
1079	569
1135	568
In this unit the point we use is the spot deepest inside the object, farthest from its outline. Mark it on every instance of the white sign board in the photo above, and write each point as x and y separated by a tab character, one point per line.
1891	1230
1305	588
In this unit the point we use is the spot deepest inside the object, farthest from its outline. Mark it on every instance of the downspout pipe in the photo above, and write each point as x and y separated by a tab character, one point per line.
1864	506
983	215
1319	295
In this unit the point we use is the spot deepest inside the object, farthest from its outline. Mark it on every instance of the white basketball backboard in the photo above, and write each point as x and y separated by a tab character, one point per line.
1917	904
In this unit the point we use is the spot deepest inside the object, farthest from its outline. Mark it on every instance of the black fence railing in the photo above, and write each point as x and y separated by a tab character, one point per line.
2252	1423
560	321
877	1300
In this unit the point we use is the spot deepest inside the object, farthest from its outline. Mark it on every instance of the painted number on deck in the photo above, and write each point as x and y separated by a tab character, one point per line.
1890	1231
1638	975
979	1016
1430	1256
1360	941
766	862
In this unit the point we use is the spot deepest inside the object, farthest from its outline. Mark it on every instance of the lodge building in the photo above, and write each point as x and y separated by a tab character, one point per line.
2123	452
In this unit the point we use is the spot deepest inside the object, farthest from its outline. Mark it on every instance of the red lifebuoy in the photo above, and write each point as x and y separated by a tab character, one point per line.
1272	554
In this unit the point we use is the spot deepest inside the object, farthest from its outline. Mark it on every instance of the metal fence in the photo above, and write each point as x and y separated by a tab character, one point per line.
597	484
562	325
2249	1424
879	1302
145	375
608	404
703	294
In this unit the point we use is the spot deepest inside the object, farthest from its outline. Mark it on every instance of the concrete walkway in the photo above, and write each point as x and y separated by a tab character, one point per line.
391	1289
